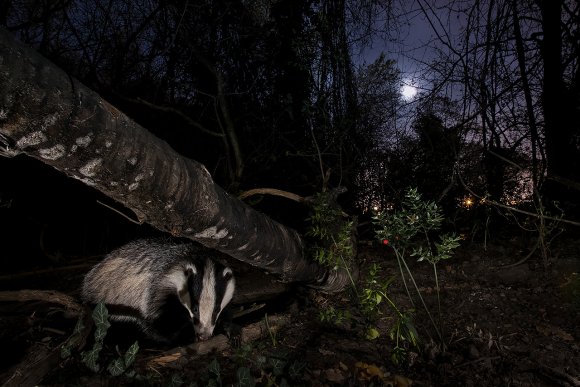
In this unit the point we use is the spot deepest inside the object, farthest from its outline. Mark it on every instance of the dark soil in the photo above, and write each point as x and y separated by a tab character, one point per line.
503	326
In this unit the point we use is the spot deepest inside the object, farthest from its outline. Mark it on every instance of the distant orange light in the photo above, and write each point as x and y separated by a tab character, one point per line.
468	202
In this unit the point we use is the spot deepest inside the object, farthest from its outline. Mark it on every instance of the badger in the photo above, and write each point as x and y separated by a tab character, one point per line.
171	291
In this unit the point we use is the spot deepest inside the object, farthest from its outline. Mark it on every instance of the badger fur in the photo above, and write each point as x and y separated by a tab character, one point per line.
170	290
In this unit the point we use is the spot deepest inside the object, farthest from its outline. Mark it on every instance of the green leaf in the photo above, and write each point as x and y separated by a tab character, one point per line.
100	316
116	367
277	366
245	378
296	369
176	379
261	361
372	333
73	339
398	355
214	368
131	353
90	358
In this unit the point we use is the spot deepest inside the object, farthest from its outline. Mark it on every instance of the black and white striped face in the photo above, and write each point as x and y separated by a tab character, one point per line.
210	287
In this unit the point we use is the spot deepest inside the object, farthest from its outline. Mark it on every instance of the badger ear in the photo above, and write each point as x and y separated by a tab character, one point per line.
227	273
190	271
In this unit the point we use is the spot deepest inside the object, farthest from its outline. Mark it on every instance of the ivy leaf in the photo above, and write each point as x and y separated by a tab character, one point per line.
90	358
131	353
100	314
116	367
296	369
214	368
245	378
277	366
74	338
101	318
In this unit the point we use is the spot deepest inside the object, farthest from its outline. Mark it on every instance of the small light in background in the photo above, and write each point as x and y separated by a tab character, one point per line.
467	202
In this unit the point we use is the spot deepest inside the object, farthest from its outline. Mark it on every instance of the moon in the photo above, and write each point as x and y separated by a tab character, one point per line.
408	90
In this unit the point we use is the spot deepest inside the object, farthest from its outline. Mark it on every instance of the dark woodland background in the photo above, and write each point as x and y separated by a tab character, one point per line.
295	95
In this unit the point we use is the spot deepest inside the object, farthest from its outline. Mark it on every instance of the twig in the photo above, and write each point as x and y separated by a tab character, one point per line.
493	202
478	361
120	213
320	164
53	296
524	259
273	192
35	273
177	112
554	373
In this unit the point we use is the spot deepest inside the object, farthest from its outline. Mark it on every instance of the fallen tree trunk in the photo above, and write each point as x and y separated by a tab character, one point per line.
46	114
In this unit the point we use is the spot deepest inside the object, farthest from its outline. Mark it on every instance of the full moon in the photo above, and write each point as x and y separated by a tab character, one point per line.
408	90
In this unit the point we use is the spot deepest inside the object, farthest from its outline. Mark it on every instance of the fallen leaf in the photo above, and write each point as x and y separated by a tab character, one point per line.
401	381
369	371
162	361
334	375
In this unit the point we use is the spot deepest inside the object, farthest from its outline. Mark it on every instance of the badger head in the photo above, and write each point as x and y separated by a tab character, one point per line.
210	288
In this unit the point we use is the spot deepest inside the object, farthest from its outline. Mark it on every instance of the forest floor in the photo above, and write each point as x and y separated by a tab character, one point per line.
503	326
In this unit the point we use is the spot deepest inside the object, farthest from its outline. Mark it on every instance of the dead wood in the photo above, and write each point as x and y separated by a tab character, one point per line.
557	376
72	307
180	356
39	359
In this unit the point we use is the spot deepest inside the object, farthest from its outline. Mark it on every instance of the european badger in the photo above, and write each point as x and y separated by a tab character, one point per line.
166	288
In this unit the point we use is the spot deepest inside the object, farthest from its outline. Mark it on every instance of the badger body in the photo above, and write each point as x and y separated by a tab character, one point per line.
170	290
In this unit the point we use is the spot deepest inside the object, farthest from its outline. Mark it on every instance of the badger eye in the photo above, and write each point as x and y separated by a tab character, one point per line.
195	309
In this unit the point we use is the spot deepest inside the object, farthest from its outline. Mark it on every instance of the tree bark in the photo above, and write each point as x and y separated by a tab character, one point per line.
521	55
46	114
558	102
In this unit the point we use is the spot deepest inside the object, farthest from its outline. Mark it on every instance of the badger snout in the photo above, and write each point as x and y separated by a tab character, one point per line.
203	333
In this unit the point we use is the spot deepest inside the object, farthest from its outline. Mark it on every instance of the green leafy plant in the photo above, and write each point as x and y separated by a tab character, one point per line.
273	367
334	316
333	247
91	357
215	371
122	363
74	339
245	378
410	231
372	296
375	292
403	331
271	332
331	232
